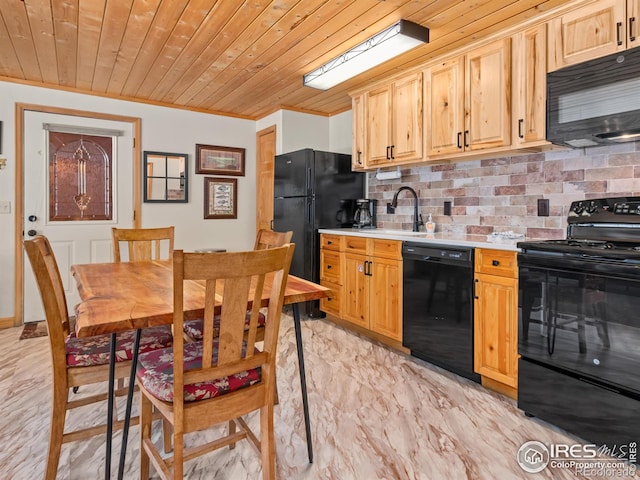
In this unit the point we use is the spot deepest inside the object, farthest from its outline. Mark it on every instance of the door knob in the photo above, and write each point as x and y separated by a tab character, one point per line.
32	218
32	233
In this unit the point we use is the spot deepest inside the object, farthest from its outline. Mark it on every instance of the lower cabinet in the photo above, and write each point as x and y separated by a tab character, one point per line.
496	319
370	286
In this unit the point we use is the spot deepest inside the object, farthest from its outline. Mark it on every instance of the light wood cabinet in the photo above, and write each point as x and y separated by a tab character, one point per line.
359	153
367	293
373	285
331	273
469	106
391	123
597	29
496	319
529	87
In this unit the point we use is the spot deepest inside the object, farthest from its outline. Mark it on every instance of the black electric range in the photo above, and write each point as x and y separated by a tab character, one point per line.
579	323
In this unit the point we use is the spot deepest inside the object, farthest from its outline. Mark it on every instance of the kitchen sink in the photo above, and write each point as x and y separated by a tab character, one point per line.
391	231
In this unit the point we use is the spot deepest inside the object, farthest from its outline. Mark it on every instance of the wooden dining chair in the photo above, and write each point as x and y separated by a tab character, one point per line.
220	379
78	361
193	329
142	243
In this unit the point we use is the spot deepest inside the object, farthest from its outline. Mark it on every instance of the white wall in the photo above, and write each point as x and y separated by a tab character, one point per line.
176	131
340	132
163	129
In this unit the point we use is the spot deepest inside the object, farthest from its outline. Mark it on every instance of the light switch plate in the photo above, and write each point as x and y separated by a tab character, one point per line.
5	206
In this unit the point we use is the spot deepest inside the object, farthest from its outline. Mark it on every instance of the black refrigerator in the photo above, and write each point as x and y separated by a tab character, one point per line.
308	187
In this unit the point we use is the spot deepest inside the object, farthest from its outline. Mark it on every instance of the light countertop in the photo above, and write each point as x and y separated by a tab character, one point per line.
440	238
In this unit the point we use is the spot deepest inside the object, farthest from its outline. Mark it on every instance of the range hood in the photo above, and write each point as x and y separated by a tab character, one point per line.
595	102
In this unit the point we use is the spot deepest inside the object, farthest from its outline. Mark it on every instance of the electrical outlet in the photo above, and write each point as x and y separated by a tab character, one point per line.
543	207
5	206
447	208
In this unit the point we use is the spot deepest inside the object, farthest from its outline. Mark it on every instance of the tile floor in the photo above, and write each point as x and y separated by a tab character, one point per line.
376	414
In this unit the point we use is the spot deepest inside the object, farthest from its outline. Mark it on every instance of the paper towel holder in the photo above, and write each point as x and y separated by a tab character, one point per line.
389	174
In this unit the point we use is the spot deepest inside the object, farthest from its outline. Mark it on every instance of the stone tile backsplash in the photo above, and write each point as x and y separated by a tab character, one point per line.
501	194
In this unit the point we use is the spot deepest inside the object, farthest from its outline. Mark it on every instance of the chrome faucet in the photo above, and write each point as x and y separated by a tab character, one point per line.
417	218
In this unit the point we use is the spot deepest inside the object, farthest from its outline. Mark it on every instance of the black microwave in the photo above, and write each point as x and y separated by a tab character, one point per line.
595	102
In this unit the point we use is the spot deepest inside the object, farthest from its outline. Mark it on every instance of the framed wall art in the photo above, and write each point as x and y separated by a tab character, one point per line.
220	198
214	160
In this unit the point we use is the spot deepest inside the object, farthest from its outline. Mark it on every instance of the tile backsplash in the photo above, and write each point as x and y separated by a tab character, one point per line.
501	194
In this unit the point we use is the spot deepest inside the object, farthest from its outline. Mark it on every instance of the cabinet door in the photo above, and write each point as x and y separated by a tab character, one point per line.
530	86
496	328
406	119
378	126
355	301
633	23
385	293
357	160
593	31
487	96
444	95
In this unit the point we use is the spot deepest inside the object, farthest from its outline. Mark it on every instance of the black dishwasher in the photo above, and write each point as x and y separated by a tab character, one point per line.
437	305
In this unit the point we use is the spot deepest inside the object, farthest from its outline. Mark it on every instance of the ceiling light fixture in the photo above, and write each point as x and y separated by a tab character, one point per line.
398	38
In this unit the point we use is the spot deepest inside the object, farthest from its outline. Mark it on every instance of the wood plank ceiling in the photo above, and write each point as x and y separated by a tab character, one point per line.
241	58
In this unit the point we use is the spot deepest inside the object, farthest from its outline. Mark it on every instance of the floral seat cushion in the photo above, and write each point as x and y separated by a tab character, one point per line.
195	328
88	351
155	372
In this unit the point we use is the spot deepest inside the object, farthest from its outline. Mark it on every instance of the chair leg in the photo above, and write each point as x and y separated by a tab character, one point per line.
232	430
276	400
145	433
166	435
58	415
178	452
267	442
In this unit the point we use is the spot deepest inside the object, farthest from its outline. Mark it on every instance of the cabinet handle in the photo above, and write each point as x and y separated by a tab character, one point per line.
619	32
520	123
367	268
632	37
388	149
495	263
329	242
328	267
466	138
459	138
475	285
359	158
392	147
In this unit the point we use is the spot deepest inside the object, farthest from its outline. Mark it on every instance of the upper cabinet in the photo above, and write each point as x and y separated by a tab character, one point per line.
529	87
387	123
595	30
358	157
468	101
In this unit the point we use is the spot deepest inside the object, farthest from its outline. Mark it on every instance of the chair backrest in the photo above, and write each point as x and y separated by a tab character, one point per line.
270	239
45	268
244	276
142	243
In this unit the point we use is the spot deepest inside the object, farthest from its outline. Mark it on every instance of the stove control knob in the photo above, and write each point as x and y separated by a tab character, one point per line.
579	208
592	208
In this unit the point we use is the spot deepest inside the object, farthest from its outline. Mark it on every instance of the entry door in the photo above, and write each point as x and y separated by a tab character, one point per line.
73	241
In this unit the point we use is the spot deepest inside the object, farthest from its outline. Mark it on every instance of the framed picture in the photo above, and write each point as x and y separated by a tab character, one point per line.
220	197
215	160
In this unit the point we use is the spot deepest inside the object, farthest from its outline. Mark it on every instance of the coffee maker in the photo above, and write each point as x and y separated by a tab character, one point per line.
365	216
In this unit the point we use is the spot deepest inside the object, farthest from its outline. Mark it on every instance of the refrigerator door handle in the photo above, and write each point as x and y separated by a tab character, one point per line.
308	180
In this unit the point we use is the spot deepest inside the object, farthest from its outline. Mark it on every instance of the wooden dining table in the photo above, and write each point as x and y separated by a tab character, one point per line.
117	297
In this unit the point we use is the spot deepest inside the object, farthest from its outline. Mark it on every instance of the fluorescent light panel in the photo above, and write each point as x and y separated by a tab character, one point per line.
398	38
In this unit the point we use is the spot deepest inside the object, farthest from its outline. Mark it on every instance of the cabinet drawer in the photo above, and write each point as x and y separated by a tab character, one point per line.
386	248
330	266
355	245
330	242
496	262
331	304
